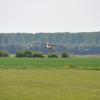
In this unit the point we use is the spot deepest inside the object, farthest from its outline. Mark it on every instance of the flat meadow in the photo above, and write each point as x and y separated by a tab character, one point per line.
51	63
74	78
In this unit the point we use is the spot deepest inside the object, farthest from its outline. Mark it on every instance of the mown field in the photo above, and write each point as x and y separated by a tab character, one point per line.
49	85
74	78
51	63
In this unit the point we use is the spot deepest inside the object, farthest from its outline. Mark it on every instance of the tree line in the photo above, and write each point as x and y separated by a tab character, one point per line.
75	43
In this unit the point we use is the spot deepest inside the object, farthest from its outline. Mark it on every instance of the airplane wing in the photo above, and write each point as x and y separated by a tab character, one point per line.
49	44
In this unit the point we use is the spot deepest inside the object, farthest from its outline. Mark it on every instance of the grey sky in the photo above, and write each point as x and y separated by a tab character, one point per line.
49	15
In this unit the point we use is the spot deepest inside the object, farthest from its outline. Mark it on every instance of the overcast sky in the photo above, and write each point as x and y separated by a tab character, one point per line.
49	15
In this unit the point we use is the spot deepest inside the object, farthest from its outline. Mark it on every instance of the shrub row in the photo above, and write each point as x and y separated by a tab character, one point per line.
38	54
28	53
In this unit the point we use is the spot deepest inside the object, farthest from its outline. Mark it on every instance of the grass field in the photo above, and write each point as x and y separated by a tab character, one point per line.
50	79
54	63
49	85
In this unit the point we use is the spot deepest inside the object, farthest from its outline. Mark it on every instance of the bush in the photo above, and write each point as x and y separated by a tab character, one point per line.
3	54
52	55
26	53
29	54
64	55
37	55
20	54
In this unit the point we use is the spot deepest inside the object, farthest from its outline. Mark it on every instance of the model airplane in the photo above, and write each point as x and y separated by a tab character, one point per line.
48	45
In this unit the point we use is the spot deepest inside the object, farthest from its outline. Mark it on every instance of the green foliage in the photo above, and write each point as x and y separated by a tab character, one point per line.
29	53
37	55
52	55
65	55
4	54
26	53
20	54
1	53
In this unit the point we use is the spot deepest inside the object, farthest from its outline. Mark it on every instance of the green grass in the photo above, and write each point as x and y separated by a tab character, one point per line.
49	85
48	63
42	83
